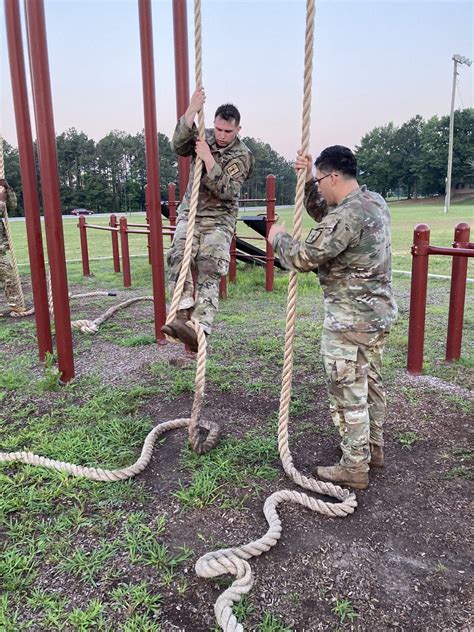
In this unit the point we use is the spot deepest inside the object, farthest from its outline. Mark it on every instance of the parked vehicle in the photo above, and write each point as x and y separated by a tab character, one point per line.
81	211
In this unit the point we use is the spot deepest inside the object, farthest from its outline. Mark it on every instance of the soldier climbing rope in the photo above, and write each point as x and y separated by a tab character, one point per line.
232	560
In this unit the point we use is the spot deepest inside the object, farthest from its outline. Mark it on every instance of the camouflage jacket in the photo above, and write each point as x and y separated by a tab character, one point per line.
220	188
11	206
351	248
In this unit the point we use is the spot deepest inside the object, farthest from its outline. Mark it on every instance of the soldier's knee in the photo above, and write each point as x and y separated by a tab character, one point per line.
212	267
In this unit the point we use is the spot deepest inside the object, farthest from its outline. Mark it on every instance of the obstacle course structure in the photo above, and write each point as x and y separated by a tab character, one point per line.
421	251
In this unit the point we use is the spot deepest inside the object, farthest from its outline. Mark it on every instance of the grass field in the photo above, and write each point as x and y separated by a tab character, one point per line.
404	219
85	557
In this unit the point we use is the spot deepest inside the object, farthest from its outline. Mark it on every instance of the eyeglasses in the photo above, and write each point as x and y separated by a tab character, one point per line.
318	180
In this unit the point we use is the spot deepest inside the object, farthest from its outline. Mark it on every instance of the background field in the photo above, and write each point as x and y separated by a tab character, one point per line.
81	556
404	218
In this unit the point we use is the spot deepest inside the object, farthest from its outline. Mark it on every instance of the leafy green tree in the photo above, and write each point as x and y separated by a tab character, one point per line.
407	154
268	161
168	165
76	158
376	157
434	155
112	165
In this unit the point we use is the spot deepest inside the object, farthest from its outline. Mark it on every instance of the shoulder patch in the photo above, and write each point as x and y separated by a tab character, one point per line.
313	233
233	169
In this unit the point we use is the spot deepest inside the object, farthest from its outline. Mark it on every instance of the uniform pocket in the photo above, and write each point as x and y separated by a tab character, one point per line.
341	365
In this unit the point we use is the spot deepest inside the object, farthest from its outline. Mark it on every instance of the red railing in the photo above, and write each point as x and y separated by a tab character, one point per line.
421	250
124	228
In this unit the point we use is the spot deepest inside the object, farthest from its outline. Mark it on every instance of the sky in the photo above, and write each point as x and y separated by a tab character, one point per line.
374	62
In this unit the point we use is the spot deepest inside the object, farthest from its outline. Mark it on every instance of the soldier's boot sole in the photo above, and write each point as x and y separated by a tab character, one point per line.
187	335
169	329
376	455
341	475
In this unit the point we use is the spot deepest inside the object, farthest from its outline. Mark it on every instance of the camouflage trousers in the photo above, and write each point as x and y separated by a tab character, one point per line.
209	261
353	365
7	275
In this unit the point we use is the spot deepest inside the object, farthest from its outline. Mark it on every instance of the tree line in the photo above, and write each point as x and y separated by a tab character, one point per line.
411	160
109	176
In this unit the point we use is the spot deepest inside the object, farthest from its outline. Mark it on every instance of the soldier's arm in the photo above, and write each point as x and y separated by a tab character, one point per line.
327	241
315	204
184	138
226	182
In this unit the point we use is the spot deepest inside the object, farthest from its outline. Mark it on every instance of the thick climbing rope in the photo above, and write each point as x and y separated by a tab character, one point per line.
93	473
92	326
196	427
233	560
199	443
6	224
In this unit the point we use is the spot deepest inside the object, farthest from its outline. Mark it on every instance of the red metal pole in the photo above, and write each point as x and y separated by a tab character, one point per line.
270	255
419	285
181	66
84	249
457	295
38	52
127	277
152	166
147	215
28	178
172	202
223	287
115	247
233	260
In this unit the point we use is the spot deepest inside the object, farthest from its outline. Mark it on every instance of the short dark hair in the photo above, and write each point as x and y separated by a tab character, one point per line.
337	158
228	112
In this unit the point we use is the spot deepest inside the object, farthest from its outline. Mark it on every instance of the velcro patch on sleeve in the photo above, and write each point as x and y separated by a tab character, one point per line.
233	169
313	234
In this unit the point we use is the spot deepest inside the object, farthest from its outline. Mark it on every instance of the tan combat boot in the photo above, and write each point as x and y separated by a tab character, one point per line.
182	316
340	475
178	329
186	334
376	455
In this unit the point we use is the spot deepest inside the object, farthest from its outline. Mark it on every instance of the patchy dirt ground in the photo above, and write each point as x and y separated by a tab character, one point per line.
403	559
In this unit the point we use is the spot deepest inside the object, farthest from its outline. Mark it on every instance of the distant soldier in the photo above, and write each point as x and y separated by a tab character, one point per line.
7	273
227	163
351	249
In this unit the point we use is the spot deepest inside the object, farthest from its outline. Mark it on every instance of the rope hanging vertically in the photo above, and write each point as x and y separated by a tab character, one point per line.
6	224
233	560
198	443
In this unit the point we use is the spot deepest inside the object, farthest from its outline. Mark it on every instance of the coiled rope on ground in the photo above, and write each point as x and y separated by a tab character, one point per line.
233	560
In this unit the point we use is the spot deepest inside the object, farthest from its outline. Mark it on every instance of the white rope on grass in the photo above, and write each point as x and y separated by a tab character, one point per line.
233	560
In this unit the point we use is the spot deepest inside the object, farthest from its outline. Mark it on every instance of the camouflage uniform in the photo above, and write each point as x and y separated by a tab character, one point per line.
7	275
215	220
352	251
